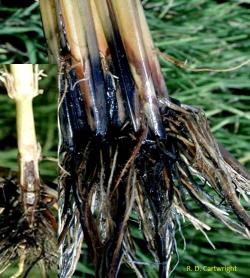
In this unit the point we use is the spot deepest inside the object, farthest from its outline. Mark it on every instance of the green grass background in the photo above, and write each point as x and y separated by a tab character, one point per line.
204	33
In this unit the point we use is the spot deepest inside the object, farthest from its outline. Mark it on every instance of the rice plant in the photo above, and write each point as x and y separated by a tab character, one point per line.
198	34
27	222
128	150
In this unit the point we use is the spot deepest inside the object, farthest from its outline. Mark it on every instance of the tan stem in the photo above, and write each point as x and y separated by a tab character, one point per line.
100	35
26	136
75	30
81	37
51	28
127	16
24	87
155	68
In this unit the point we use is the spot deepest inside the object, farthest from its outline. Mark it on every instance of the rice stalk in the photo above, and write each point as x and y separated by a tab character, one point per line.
48	8
27	224
151	161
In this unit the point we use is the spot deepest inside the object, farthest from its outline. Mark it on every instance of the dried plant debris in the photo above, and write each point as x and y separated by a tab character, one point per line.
27	223
127	147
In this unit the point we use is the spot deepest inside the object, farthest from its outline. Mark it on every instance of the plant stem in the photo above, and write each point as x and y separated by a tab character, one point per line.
51	28
25	88
119	60
155	68
85	59
127	16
